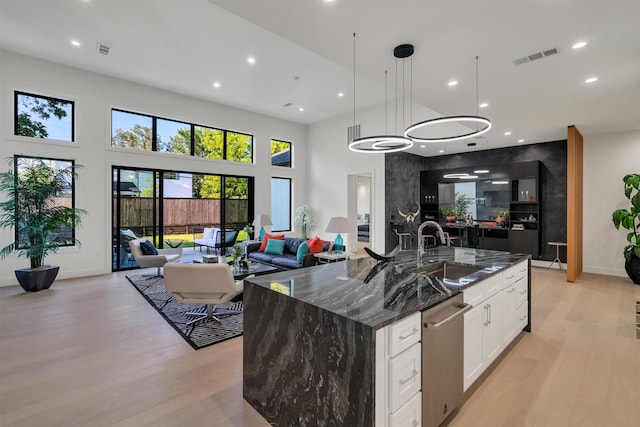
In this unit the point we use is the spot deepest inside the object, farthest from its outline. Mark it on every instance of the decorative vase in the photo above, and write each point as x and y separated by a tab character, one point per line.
633	269
304	231
451	218
37	279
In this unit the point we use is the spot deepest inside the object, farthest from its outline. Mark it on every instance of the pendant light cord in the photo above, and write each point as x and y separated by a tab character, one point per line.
477	96
354	79
386	130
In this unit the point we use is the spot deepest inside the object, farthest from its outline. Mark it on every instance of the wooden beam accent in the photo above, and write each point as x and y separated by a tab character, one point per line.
574	203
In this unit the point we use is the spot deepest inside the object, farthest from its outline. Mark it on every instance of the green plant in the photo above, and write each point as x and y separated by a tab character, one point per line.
33	189
503	213
236	252
248	229
462	203
448	212
304	218
629	219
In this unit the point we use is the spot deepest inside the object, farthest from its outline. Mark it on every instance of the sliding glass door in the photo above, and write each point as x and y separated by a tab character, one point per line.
172	208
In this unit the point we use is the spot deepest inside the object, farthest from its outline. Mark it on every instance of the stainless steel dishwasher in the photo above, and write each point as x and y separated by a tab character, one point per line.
442	359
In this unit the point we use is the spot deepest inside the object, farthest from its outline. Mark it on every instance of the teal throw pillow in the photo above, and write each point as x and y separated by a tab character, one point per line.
274	247
303	249
148	248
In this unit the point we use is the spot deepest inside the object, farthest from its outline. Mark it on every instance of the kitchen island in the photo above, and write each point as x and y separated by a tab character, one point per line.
316	340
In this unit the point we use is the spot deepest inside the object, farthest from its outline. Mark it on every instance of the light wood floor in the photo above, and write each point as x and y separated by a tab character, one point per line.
92	352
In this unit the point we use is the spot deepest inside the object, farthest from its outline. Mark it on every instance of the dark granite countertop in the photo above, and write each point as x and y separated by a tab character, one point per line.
376	293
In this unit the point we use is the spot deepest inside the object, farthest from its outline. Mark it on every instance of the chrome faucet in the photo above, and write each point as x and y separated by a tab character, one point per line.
421	236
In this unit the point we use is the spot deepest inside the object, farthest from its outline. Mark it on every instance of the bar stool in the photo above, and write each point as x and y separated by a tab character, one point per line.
402	238
557	245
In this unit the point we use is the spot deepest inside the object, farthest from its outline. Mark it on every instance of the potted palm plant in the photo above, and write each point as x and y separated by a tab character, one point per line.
34	187
629	219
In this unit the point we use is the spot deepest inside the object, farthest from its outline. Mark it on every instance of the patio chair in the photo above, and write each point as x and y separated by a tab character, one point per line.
164	255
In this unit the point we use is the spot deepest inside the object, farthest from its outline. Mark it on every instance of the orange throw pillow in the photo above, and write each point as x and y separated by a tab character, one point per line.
315	245
268	236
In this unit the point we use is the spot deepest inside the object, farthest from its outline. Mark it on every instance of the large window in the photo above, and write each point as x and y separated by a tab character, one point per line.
280	153
281	204
62	171
135	131
43	117
132	131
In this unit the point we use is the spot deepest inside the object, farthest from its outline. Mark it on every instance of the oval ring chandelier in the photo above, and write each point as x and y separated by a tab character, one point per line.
478	120
440	120
379	143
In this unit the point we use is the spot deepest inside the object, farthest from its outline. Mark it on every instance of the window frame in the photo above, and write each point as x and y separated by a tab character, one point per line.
289	209
290	166
192	127
73	226
18	93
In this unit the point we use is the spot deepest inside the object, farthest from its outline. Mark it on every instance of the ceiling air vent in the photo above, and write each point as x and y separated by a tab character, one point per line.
103	49
353	132
288	104
534	56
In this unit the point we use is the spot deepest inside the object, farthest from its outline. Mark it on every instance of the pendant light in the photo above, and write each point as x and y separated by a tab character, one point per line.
477	120
378	143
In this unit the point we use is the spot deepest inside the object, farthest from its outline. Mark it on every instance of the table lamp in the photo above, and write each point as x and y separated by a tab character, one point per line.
338	225
261	220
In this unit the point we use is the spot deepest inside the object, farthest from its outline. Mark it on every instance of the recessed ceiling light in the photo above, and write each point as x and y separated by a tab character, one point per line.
499	182
484	105
452	83
507	133
301	109
579	45
216	84
481	171
422	146
455	175
441	151
591	80
521	140
75	43
469	177
251	60
340	94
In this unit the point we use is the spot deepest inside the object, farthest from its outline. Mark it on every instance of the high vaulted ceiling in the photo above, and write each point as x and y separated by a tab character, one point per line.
304	56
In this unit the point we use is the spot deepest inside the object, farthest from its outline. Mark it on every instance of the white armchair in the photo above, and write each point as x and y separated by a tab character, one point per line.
164	255
209	284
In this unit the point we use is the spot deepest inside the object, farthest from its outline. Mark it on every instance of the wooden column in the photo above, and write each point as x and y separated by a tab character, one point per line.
574	203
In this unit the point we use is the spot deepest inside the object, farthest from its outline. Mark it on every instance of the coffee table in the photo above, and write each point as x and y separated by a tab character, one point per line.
257	269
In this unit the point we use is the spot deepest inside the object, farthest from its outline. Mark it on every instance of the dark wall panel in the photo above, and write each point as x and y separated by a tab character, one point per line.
402	183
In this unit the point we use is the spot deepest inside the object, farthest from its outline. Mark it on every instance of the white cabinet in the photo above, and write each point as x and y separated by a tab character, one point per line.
499	314
399	373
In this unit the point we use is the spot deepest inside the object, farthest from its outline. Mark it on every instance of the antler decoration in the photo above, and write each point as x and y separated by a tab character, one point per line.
410	217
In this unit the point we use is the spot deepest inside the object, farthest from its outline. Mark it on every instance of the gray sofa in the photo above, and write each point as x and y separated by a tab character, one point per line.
288	260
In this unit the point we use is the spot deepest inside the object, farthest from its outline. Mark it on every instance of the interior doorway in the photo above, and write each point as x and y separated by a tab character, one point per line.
361	211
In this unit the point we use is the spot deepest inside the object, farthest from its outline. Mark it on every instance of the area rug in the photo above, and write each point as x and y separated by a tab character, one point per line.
200	334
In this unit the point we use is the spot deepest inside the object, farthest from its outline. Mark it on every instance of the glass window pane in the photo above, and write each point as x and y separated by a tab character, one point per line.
130	130
43	117
173	137
50	170
239	147
280	153
281	204
208	142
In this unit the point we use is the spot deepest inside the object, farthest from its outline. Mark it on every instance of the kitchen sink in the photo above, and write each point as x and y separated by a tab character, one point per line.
451	273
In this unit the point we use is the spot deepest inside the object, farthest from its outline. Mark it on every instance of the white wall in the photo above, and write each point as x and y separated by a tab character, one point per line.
607	159
95	95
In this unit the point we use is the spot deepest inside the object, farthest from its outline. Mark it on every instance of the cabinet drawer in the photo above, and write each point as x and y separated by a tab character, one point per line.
476	294
522	291
404	376
404	333
522	317
515	273
409	415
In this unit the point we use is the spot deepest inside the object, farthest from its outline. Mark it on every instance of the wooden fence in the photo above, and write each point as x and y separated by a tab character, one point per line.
181	215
